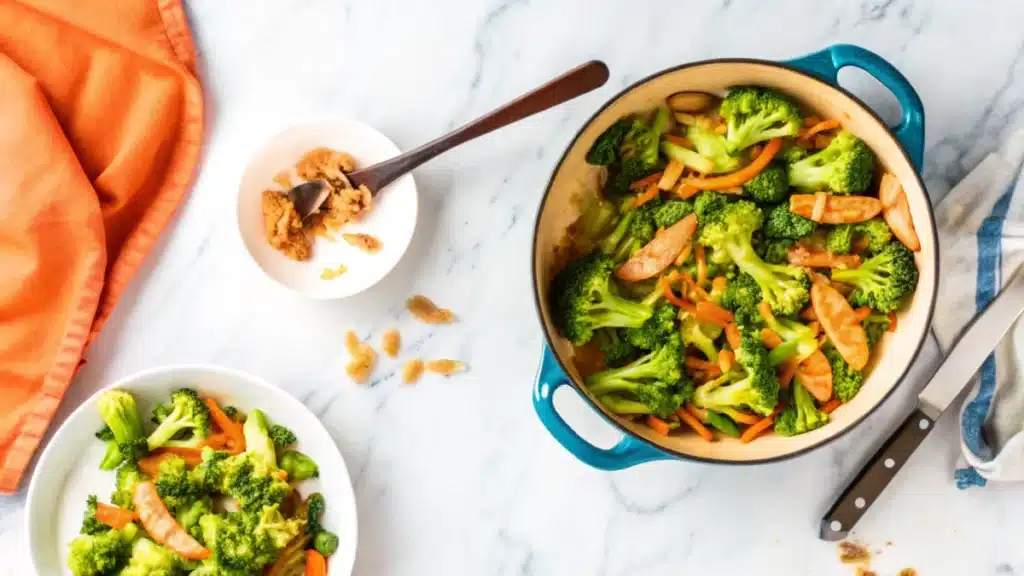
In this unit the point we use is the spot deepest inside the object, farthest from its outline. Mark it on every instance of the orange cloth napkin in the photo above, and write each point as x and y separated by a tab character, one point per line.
100	129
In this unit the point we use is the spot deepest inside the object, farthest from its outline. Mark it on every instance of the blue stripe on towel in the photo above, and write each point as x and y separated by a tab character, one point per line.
989	268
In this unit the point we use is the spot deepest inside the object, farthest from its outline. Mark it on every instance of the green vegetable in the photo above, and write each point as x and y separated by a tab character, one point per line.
637	154
150	559
582	301
655	380
298	466
756	387
100	554
774	250
209	474
605	150
121	416
687	157
274	530
801	416
653	332
315	505
257	437
188	416
90	525
792	153
190	514
845	166
781	223
250	479
325	543
105	434
671	212
616	350
638	230
770	185
841	237
722	423
742	292
693	334
798	341
714	148
882	281
875	326
846	381
282	437
234	413
755	114
175	484
128	475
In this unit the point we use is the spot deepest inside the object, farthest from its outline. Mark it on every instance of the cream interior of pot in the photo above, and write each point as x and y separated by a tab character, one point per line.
891	357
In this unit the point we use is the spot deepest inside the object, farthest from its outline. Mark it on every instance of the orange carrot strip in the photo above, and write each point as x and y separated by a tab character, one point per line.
820	127
821	141
671	296
831	405
720	283
686	191
770	339
726	360
712	310
192	456
116	518
698	413
811	120
684	255
744	417
316	564
702	264
755	430
741	176
150	464
700	364
216	441
766	311
229	427
786	372
862	313
892	322
649	194
732	335
658	425
680	140
694	423
645	182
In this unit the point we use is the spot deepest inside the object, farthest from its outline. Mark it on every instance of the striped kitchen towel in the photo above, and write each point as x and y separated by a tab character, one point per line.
981	234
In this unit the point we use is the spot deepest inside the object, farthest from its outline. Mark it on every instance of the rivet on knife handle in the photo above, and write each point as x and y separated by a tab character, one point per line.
875	476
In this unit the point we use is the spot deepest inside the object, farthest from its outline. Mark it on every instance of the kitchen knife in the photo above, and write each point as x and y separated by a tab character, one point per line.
951	378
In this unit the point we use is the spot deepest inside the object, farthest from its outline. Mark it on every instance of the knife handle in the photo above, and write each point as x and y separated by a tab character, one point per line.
868	485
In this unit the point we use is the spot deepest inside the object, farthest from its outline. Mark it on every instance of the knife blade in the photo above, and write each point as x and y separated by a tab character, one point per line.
946	384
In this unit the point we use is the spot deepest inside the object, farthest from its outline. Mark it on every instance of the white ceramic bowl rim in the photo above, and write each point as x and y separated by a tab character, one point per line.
543	204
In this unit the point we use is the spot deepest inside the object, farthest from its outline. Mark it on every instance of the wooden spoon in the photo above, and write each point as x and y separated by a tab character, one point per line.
308	196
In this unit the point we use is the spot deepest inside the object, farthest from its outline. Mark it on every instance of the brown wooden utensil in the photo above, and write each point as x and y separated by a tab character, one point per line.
308	196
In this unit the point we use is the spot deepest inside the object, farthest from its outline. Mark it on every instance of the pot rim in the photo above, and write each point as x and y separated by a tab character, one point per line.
547	192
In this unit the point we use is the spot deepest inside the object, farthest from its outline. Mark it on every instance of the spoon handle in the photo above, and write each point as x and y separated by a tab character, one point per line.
573	83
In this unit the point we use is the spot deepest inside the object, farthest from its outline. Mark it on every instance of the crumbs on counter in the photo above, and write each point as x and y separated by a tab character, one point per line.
445	367
412	371
426	311
332	273
907	572
391	342
853	553
862	571
365	242
363	356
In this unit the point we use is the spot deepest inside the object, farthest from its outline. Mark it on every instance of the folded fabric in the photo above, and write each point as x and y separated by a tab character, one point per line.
981	235
100	128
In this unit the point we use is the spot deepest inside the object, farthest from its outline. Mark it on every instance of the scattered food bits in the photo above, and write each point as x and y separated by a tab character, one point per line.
365	242
426	311
363	358
445	367
283	179
853	553
412	370
391	342
862	571
907	572
332	273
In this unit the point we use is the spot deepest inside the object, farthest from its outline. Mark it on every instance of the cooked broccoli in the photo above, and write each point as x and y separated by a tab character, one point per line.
652	333
605	150
756	387
798	341
282	437
693	334
582	300
188	415
875	325
875	232
714	148
188	516
882	281
231	537
770	185
781	223
121	416
687	157
708	204
90	525
616	350
730	231
128	475
845	166
774	250
637	154
801	416
175	484
257	437
254	482
742	292
655	380
275	530
636	228
234	413
326	543
755	114
150	559
846	381
105	434
160	413
596	217
671	212
792	153
101	554
839	239
209	474
314	508
298	466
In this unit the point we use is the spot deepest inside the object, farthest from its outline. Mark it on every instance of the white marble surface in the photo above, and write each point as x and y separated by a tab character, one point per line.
458	477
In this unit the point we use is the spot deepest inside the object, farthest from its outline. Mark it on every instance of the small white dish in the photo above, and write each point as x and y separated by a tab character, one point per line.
68	471
392	217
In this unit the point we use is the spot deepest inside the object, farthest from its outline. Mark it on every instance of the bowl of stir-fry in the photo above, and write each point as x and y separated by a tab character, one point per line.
735	261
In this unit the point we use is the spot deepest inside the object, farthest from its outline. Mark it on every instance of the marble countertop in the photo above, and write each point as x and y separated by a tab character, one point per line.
458	476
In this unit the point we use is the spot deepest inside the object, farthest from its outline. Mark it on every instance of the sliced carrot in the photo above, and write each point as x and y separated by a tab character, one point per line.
700	364
786	372
659	253
744	417
741	176
684	255
702	264
840	324
686	191
815	374
811	120
765	310
162	527
896	212
699	293
732	335
671	296
694	423
658	425
862	313
720	283
232	429
116	518
726	358
752	432
650	193
822	126
837	209
192	456
680	140
316	564
645	182
822	141
830	406
150	464
800	254
770	339
713	313
892	322
721	129
216	441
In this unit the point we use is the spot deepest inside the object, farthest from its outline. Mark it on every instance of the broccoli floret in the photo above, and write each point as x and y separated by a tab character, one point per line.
99	554
845	166
596	217
792	153
128	475
774	250
770	185
275	530
189	515
839	239
875	326
671	212
882	281
616	350
708	205
257	437
160	413
801	416
175	484
90	525
636	228
209	474
876	232
730	232
314	508
655	380
298	466
755	114
234	413
281	436
254	482
798	341
121	416
582	300
231	537
150	559
694	335
781	223
326	543
756	387
742	292
105	434
188	415
655	330
846	381
714	148
638	154
605	149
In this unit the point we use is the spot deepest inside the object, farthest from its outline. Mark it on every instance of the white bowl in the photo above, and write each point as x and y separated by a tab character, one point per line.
68	468
392	218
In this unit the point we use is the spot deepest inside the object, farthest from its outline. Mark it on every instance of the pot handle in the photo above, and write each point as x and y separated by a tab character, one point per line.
827	63
627	453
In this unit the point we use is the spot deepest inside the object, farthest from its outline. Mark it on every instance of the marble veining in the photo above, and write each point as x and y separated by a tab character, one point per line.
458	476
